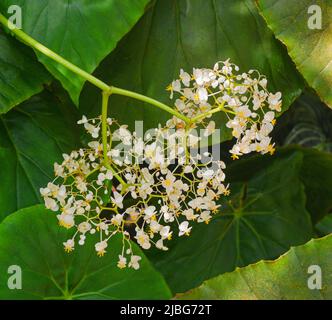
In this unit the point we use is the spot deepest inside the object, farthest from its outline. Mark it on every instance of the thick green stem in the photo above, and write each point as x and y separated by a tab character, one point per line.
85	75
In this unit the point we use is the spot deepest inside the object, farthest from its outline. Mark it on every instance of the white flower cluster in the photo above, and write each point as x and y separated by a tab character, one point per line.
148	191
244	97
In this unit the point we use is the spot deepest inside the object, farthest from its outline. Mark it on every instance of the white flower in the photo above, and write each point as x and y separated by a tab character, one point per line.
117	220
189	214
168	182
185	77
69	245
58	170
193	140
160	245
202	94
155	226
94	131
205	216
263	83
66	220
51	204
143	239
274	101
134	262
188	169
196	203
81	184
243	112
55	191
184	228
139	147
269	116
203	76
83	120
84	227
211	127
44	192
181	106
117	199
101	178
206	174
124	135
100	248
122	263
166	233
174	86
149	212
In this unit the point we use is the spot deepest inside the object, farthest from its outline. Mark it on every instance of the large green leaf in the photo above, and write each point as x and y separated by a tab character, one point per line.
283	279
21	76
269	216
82	31
315	174
308	123
32	137
324	227
309	48
178	34
32	240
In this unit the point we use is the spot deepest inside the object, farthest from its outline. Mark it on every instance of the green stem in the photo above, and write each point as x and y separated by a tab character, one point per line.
104	109
123	92
215	110
52	55
85	75
107	164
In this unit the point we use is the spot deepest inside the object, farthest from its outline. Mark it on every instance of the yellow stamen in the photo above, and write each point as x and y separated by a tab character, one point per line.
68	249
101	253
227	192
271	149
168	183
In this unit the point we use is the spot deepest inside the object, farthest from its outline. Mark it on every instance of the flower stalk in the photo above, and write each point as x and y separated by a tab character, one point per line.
105	100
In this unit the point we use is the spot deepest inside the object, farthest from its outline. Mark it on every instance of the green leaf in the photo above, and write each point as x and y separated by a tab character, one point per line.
309	123
309	48
324	227
32	137
283	279
21	76
82	31
315	174
268	216
29	236
185	34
